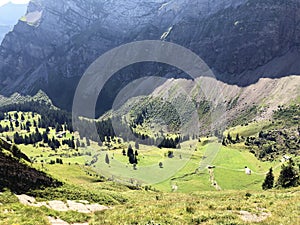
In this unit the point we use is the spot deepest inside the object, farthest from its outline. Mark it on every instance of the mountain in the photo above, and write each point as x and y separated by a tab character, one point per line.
9	15
241	40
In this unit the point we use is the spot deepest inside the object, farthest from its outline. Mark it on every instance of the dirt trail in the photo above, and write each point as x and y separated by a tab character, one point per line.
212	179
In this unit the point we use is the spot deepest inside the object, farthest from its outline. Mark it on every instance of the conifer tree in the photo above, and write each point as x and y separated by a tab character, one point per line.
289	175
107	159
269	180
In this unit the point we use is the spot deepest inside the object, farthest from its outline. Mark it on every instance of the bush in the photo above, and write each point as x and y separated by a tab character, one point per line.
190	210
7	197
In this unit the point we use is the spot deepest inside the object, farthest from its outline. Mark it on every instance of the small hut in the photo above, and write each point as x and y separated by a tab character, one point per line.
174	188
247	171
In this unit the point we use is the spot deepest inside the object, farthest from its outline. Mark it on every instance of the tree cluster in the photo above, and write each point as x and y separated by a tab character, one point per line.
231	140
132	155
28	139
288	177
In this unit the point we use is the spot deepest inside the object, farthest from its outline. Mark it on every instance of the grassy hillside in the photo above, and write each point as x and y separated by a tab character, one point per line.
226	207
270	139
20	177
203	182
187	168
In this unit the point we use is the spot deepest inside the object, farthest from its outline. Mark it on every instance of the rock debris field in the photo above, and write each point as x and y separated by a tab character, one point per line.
81	206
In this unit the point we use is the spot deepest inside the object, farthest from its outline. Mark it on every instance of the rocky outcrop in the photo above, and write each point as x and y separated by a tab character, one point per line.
242	40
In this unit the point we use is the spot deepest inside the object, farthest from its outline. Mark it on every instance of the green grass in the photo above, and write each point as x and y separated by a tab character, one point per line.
73	174
151	173
187	184
248	130
13	212
229	171
72	192
203	208
176	208
80	183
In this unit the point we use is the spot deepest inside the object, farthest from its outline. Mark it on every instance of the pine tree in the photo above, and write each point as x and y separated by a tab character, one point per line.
132	159
170	154
229	138
129	151
6	129
16	116
160	165
28	129
269	180
224	142
289	176
18	139
58	128
45	137
107	159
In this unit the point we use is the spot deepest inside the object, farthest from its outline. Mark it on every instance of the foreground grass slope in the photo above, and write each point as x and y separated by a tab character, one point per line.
205	208
226	207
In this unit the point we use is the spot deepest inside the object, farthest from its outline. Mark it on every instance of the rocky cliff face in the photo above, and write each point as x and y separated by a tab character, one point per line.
239	42
242	40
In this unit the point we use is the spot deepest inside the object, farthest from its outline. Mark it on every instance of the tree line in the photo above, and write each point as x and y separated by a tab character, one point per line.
57	118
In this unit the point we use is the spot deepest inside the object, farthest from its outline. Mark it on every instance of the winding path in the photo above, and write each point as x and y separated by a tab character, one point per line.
212	179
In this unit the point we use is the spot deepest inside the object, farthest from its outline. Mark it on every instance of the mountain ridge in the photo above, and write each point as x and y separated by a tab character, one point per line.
220	33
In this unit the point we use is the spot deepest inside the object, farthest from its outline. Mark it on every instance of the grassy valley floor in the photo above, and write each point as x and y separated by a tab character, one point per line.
220	194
